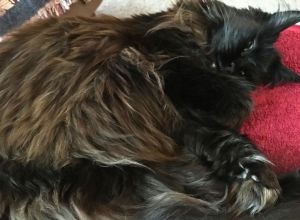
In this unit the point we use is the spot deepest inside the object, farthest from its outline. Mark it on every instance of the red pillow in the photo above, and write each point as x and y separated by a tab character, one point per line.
274	125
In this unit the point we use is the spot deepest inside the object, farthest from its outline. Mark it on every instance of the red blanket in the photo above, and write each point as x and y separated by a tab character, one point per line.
275	123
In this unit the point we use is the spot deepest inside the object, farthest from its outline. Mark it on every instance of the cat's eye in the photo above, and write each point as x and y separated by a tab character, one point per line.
213	65
242	73
250	46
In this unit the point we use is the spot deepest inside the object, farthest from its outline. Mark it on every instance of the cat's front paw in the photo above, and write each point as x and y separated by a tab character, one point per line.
255	186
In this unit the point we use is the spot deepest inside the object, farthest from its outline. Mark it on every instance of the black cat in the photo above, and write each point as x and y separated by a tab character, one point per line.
221	54
102	118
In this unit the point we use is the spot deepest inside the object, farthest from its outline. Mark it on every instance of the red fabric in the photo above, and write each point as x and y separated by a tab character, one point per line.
274	125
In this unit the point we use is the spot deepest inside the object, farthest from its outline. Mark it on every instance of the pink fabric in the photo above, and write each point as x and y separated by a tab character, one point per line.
274	124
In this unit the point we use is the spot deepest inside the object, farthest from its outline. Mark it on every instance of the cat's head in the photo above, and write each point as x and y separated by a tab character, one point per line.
241	41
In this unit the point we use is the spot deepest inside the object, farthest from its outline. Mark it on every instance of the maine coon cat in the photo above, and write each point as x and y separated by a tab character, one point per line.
103	118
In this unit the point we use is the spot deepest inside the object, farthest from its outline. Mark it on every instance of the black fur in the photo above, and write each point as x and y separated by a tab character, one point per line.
209	58
210	82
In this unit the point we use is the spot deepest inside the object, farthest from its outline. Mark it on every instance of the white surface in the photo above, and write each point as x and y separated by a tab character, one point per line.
266	5
127	8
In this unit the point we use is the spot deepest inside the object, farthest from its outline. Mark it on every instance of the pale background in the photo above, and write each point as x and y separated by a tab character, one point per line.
127	8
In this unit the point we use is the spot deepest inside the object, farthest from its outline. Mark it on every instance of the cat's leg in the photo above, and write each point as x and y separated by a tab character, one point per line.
223	97
167	197
253	185
216	105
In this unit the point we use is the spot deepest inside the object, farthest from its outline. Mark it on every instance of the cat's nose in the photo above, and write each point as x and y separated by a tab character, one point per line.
231	68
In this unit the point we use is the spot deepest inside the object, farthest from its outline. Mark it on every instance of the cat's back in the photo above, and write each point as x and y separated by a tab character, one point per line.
68	85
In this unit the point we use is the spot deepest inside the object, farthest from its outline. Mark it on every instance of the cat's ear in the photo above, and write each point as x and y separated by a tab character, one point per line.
284	75
277	23
212	12
282	20
257	14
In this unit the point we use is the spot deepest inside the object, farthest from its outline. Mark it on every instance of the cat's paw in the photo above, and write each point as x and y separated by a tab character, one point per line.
255	186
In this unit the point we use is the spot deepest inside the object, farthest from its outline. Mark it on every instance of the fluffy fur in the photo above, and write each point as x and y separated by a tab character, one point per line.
138	118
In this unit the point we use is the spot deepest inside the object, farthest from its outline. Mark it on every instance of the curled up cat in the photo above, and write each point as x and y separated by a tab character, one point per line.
138	118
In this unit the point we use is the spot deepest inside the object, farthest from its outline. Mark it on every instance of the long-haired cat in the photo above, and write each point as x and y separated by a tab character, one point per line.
138	118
